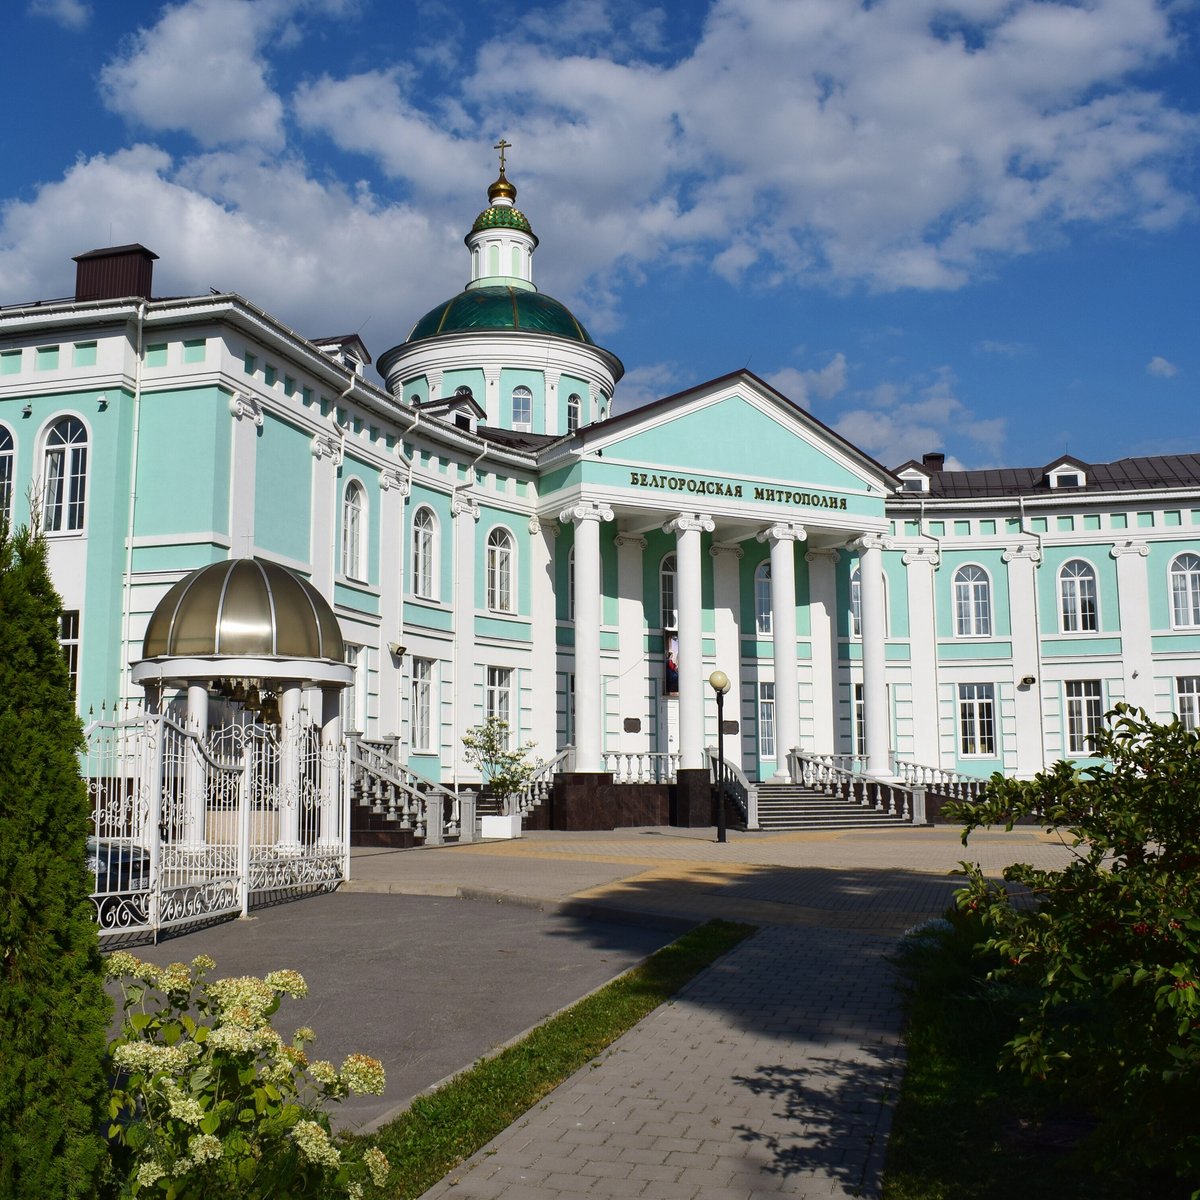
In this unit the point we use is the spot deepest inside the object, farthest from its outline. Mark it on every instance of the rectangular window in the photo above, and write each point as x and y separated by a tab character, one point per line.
860	720
1187	693
194	350
156	355
68	639
270	375
46	358
766	721
84	354
421	716
250	364
1085	714
354	697
498	696
10	362
289	385
977	720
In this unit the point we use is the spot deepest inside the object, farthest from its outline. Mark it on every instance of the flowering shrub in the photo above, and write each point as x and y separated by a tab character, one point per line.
504	767
1105	967
210	1100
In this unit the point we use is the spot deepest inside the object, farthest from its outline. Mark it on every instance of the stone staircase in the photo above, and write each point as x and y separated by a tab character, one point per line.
784	807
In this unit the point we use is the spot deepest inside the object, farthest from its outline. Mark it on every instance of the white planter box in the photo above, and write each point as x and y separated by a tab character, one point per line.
502	827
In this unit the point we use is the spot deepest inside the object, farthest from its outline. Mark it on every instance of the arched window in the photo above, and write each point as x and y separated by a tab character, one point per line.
424	554
574	408
1077	597
500	570
522	409
666	593
762	598
6	472
354	523
65	477
856	603
1185	591
972	602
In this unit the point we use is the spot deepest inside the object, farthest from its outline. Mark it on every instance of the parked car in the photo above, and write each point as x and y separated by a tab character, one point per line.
122	874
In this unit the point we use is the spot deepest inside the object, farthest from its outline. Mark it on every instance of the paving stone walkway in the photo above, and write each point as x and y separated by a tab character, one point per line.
772	1074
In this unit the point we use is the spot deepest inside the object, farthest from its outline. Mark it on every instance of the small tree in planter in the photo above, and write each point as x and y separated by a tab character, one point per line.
505	768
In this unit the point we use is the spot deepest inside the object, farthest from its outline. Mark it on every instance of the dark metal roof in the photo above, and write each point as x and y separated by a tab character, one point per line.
1157	472
531	442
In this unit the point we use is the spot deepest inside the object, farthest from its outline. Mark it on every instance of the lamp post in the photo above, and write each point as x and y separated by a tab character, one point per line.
719	682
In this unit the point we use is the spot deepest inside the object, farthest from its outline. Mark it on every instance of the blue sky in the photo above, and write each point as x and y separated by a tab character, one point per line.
966	225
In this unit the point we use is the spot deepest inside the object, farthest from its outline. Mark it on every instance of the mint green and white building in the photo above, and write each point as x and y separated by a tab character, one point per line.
493	540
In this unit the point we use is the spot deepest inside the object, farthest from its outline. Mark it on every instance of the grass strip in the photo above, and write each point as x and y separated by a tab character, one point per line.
440	1130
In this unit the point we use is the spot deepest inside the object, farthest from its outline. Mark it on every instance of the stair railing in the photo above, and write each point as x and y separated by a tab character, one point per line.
825	773
541	784
633	766
738	787
939	780
395	791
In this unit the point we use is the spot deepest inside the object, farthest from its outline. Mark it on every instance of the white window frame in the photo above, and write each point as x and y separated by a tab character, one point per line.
1084	713
64	477
766	721
1187	700
354	695
420	713
1185	591
977	720
571	584
522	424
972	591
574	411
424	553
8	459
498	695
69	640
859	749
1078	597
501	570
354	527
763	611
855	602
668	581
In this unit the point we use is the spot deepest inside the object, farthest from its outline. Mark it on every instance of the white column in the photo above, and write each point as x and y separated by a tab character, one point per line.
491	399
822	618
921	561
631	641
874	633
464	512
393	489
783	538
544	621
193	833
290	698
588	613
1133	594
327	457
243	458
1022	561
687	528
550	402
331	767
727	604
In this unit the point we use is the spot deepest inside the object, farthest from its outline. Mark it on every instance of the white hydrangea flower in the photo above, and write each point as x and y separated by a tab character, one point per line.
290	983
377	1165
149	1057
314	1144
204	1147
363	1074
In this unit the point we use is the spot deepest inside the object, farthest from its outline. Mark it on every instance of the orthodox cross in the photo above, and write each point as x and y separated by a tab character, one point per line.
502	145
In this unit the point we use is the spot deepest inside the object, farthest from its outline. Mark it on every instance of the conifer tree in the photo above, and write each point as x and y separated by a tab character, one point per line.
53	1008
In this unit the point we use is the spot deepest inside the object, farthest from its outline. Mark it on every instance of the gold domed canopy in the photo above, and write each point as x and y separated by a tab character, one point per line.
244	608
502	187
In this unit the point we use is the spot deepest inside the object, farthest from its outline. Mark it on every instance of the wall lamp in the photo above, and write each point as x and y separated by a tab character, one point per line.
103	403
396	649
27	411
1027	681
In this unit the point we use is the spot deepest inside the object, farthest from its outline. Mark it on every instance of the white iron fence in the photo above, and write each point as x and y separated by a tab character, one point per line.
188	829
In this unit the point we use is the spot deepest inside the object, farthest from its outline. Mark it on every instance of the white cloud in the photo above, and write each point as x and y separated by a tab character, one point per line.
1004	349
802	386
1161	367
70	14
649	382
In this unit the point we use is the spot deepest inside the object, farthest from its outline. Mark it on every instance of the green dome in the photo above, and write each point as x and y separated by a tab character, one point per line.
488	308
500	217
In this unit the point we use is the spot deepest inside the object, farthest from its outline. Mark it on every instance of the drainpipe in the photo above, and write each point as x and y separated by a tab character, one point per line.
1037	620
937	670
133	467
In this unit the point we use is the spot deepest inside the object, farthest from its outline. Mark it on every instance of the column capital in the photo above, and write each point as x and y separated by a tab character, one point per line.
731	548
922	554
871	541
782	531
491	374
1130	547
829	554
630	539
325	445
243	405
586	510
1029	550
689	523
462	503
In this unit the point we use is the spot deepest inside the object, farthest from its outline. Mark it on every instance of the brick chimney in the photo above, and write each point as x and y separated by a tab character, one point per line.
934	461
114	273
